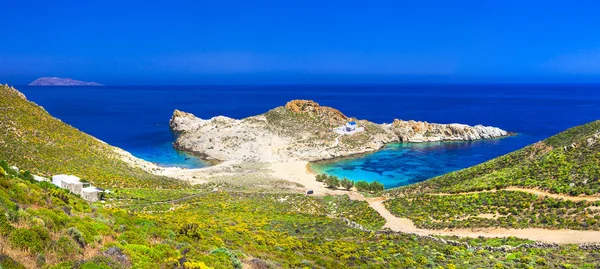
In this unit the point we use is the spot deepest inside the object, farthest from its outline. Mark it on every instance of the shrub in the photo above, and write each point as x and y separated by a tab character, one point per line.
332	182
361	185
27	176
5	227
77	236
347	184
375	186
65	248
132	237
27	239
235	261
320	177
4	166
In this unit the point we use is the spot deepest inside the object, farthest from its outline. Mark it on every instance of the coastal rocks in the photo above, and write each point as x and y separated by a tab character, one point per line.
183	121
313	109
420	131
302	130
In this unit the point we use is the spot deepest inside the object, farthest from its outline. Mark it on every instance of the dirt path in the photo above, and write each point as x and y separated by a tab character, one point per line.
405	225
335	144
535	192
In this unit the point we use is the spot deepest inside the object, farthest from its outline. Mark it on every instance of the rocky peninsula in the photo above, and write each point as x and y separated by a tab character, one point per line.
302	130
54	81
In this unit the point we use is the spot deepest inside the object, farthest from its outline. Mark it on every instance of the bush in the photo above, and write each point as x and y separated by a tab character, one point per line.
27	239
65	248
375	186
4	166
27	176
347	184
235	261
361	185
132	237
5	227
321	177
332	182
77	236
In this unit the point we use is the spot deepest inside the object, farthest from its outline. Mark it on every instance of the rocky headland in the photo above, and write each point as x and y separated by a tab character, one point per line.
302	130
54	81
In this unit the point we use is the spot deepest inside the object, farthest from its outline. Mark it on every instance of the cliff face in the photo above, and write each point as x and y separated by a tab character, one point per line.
304	130
54	81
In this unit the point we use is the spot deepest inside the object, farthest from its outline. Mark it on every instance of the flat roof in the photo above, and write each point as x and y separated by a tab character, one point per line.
66	178
91	189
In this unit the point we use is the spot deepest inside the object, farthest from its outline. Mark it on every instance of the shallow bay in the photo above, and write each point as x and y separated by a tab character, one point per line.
136	118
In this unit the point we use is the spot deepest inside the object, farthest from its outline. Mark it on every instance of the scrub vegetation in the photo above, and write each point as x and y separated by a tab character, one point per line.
32	138
228	230
511	209
153	222
566	164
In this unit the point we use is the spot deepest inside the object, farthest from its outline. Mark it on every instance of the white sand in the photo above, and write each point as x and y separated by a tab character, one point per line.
298	172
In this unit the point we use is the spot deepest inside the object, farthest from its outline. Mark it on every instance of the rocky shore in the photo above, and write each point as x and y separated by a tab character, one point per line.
303	130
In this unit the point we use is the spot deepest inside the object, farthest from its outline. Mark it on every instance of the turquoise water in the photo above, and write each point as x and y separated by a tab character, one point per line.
407	163
136	118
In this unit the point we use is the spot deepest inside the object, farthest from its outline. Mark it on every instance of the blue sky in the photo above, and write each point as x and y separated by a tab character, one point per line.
196	42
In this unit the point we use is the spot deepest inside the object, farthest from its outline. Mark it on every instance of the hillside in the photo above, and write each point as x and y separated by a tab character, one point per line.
566	163
44	227
32	138
306	131
54	81
553	184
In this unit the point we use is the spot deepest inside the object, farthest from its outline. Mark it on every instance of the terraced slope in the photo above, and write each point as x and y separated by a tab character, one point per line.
32	138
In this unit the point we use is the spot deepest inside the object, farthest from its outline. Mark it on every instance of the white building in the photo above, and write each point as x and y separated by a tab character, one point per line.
349	129
350	126
91	193
74	184
59	179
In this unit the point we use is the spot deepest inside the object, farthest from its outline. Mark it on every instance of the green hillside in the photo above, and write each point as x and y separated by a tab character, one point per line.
153	222
567	164
32	138
44	227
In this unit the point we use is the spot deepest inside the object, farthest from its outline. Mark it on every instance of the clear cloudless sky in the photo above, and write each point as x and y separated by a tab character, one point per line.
287	41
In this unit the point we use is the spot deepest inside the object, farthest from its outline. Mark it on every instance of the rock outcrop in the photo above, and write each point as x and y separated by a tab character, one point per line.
303	130
421	131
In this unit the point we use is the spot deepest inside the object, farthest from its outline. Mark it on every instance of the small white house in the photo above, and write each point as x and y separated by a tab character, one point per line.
349	129
74	184
91	193
350	126
59	179
71	183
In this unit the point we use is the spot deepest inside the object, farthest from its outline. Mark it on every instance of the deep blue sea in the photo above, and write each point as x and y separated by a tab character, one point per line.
136	118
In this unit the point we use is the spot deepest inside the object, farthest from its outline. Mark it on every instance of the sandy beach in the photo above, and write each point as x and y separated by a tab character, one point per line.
298	172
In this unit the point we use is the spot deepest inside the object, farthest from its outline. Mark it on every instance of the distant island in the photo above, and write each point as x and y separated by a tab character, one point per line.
54	81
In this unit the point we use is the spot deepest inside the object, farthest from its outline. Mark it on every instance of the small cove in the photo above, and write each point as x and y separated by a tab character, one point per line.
401	164
136	118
